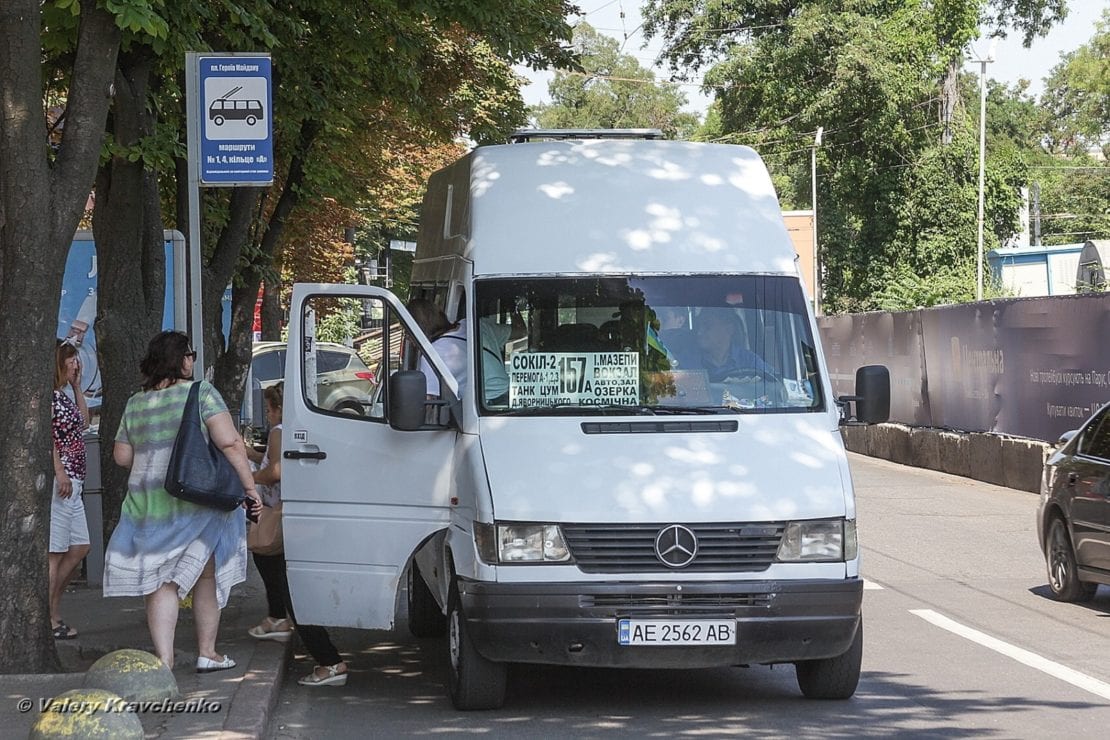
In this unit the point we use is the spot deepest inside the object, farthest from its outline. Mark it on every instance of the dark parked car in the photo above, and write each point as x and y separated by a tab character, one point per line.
1074	513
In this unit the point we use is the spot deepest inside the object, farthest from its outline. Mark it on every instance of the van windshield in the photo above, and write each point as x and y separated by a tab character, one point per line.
660	344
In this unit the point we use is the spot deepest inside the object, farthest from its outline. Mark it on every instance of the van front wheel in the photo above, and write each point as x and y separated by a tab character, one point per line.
832	678
473	681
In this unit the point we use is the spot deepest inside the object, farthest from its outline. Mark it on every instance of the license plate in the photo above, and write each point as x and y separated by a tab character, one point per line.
676	632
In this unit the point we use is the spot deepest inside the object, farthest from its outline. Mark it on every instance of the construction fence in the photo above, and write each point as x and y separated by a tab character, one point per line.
1027	367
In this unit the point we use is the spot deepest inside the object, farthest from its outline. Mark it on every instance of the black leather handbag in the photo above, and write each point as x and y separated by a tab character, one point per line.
199	472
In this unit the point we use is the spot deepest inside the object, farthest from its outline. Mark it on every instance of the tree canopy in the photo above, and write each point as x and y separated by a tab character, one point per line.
351	80
897	167
612	90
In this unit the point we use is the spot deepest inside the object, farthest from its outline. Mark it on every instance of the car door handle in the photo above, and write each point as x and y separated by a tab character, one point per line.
1073	478
298	455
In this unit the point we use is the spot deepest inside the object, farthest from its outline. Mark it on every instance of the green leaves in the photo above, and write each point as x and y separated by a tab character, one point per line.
897	183
139	16
612	90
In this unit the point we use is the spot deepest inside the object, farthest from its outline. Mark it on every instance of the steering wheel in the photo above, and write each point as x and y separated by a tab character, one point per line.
748	375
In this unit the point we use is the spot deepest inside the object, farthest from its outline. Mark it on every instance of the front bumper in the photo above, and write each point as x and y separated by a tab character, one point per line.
576	623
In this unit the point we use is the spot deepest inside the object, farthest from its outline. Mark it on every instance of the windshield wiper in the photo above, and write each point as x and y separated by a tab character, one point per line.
679	410
618	409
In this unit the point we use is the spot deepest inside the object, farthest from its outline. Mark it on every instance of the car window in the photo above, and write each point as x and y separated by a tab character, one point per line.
1096	438
267	366
328	361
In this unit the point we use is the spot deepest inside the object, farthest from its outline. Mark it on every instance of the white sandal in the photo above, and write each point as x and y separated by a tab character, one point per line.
333	678
279	630
207	665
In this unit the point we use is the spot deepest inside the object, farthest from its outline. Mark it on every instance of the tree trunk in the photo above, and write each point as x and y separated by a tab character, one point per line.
127	224
219	271
42	205
271	307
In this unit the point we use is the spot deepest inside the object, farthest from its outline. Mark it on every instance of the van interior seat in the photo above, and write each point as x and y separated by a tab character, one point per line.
575	337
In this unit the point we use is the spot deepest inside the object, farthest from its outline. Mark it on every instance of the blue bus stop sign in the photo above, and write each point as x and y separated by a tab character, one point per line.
235	120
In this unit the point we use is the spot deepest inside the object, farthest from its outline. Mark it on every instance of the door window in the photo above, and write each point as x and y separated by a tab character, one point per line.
1096	438
374	353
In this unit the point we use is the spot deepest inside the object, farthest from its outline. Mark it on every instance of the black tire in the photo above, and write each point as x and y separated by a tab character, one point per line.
218	120
251	120
1063	571
472	681
426	619
832	678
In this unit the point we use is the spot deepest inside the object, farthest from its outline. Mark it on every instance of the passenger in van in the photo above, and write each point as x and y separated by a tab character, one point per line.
723	345
494	337
678	341
448	339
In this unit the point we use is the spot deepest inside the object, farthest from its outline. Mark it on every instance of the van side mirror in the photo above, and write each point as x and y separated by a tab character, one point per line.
872	398
408	392
409	403
1066	437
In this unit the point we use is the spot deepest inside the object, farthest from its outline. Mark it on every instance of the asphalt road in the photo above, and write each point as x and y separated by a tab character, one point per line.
961	640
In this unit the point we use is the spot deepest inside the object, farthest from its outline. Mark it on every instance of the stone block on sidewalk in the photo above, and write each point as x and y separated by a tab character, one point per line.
136	675
87	713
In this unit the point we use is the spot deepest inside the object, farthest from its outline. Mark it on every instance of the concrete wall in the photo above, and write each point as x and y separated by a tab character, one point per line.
1005	461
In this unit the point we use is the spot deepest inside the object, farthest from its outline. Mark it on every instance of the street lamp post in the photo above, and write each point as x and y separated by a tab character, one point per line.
982	165
813	201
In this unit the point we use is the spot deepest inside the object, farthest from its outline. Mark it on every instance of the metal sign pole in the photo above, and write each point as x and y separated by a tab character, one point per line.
196	314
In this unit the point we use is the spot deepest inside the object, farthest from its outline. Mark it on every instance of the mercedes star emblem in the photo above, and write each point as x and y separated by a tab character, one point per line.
676	546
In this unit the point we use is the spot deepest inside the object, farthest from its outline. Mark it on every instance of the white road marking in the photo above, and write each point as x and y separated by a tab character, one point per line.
871	586
1056	670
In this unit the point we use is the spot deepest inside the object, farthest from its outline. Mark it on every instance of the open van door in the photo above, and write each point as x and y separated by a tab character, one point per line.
358	496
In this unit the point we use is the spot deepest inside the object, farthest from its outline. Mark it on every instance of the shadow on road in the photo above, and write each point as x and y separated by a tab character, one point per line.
400	685
1100	604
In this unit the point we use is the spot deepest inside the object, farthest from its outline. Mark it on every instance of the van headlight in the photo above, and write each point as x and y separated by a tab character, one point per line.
520	543
821	541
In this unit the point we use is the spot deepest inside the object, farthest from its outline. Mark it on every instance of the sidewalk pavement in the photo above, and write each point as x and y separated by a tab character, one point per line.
246	694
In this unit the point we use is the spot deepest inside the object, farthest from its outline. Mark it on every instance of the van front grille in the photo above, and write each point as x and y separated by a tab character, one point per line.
630	548
677	604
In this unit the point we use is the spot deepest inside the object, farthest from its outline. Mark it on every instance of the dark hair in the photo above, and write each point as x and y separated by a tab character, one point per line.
429	317
63	352
165	356
275	395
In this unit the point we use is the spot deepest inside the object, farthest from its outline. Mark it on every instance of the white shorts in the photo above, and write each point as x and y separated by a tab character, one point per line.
68	526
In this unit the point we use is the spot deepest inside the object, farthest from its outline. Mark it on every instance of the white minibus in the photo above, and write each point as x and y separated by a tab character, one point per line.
629	454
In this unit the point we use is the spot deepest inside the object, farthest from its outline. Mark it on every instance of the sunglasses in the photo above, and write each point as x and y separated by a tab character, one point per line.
192	355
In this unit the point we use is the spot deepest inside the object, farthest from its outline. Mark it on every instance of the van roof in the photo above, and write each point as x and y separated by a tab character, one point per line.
614	206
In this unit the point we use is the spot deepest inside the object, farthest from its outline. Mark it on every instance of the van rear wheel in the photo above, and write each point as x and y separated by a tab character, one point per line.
426	619
832	678
473	681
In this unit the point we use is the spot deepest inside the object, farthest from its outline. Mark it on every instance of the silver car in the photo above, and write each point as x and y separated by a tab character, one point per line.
343	381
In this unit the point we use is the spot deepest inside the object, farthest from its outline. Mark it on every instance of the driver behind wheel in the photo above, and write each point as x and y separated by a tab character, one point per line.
722	343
